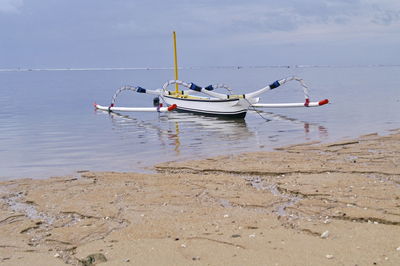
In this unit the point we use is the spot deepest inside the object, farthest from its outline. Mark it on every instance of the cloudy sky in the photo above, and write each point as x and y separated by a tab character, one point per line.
122	33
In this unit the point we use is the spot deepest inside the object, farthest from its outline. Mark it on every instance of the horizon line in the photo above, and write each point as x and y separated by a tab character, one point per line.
191	67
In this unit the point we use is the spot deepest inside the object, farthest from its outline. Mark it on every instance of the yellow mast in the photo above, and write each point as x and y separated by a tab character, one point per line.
175	63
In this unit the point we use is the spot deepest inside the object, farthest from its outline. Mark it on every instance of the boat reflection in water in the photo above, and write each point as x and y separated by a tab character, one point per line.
182	130
308	127
186	135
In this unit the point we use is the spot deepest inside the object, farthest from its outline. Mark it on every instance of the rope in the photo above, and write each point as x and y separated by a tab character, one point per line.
222	86
257	111
281	82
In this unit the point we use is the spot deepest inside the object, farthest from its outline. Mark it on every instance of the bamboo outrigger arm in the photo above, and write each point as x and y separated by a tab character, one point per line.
135	109
289	105
192	86
252	95
209	89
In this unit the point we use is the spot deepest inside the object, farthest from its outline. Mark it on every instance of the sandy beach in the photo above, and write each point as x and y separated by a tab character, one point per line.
308	204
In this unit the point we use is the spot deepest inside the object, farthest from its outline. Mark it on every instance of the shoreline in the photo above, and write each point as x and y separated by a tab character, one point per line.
311	203
149	168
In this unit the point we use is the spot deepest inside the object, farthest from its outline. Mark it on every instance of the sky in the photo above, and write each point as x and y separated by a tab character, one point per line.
122	33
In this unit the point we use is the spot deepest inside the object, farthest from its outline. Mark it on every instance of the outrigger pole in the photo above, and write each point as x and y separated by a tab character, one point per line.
175	63
135	109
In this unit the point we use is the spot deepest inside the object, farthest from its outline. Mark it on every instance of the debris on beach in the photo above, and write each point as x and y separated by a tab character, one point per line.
329	256
325	234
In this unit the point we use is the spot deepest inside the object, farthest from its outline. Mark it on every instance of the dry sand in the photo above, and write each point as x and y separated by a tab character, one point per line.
310	204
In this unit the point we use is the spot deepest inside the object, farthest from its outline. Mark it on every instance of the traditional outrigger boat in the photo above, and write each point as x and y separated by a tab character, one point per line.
212	103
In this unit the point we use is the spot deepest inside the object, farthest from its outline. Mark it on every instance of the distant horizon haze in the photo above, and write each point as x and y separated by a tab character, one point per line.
118	34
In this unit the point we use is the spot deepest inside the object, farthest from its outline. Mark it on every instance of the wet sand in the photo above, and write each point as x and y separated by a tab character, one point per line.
309	204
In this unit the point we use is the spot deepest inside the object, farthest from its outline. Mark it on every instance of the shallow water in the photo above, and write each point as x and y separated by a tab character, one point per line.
48	125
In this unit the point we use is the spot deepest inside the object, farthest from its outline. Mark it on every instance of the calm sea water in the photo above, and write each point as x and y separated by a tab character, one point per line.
48	125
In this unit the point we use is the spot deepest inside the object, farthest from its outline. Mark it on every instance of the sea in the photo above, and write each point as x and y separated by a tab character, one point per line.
49	127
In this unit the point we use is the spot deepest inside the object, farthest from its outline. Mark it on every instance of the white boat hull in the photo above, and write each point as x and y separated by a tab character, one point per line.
209	106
